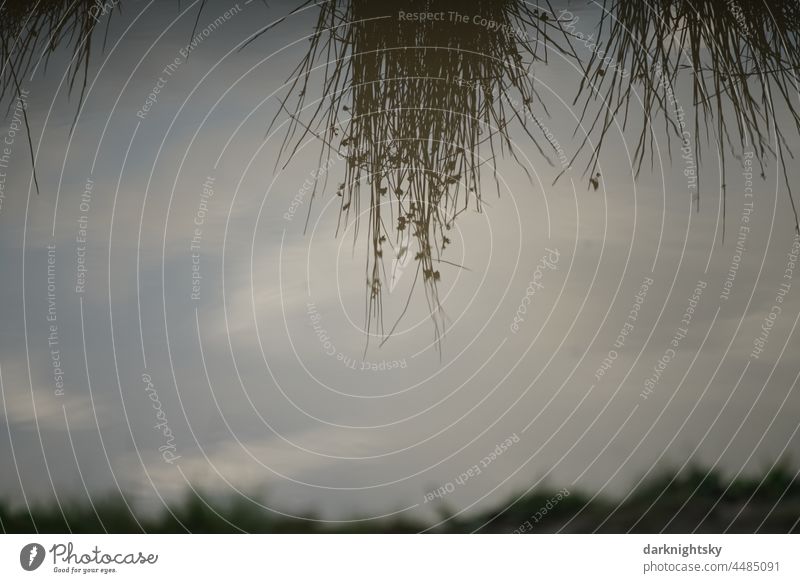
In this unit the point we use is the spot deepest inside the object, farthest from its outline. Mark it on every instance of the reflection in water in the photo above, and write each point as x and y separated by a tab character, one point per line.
418	106
25	25
427	95
417	109
742	57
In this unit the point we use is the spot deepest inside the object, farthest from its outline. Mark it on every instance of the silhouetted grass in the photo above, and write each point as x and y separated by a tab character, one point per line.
30	32
417	110
742	58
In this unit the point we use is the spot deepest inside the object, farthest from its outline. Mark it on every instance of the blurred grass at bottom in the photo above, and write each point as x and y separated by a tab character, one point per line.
695	500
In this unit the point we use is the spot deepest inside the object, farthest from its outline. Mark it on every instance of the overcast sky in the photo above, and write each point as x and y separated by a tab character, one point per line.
258	375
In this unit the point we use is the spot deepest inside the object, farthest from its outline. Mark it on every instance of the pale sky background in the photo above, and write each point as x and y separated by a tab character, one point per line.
256	404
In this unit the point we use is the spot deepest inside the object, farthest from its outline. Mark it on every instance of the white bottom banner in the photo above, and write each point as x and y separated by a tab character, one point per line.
354	558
